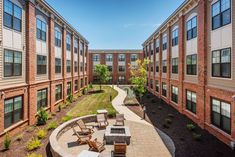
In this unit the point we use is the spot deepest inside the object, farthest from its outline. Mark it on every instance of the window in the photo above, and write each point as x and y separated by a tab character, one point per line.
68	66
57	65
81	66
75	66
81	49
157	45
57	37
191	101
175	65
164	42
75	46
110	68
12	63
164	89
41	64
151	83
41	30
221	63
175	34
157	67
81	85
41	98
96	58
221	115
221	13
192	28
121	57
121	68
192	64
164	66
134	57
68	42
13	111
58	92
109	58
151	48
157	86
12	16
174	94
76	85
121	79
68	88
151	67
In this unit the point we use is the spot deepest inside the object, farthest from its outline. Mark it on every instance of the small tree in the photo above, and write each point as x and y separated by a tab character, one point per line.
102	73
139	77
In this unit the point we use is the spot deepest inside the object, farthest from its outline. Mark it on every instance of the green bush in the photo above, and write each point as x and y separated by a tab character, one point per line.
33	144
19	137
7	141
52	126
197	136
90	85
66	118
34	155
41	134
168	120
191	127
112	113
84	91
42	117
70	98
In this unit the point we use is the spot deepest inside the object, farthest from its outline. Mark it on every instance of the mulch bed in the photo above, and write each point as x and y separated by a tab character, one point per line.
18	148
186	145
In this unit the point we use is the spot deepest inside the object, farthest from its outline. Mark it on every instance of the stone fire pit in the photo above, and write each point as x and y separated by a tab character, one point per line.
117	134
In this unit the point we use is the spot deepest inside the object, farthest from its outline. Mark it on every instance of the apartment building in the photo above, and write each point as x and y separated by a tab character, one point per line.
117	61
193	65
43	59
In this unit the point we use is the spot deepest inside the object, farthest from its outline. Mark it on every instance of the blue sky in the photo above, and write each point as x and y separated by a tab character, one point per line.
115	24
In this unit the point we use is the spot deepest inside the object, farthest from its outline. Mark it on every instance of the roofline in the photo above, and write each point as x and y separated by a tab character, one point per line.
165	22
62	18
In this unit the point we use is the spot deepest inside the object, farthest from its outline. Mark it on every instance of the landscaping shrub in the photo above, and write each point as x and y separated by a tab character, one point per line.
170	115
84	91
59	108
7	141
70	98
41	134
66	118
168	120
90	86
19	137
112	114
197	136
191	127
52	126
42	117
33	144
34	155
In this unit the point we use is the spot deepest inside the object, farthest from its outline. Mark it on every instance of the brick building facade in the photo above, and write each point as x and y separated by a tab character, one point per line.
117	61
43	59
192	65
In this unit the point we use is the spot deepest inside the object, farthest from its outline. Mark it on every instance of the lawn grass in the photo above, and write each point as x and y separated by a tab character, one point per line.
92	102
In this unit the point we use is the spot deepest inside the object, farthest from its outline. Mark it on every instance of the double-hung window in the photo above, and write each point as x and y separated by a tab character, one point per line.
157	45
96	57
41	98
134	57
157	85
81	83
58	92
174	94
151	83
221	13
68	42
164	89
191	64
221	115
75	46
68	66
221	63
121	57
69	88
76	85
164	66
12	63
57	37
121	68
191	101
57	65
81	66
13	111
75	66
41	64
175	34
41	30
151	48
110	68
12	16
192	28
164	42
174	66
157	66
109	58
81	49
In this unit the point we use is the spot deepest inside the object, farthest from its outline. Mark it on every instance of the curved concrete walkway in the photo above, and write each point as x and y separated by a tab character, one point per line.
118	102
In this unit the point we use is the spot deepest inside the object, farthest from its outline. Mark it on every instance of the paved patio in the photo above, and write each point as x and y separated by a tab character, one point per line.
145	142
